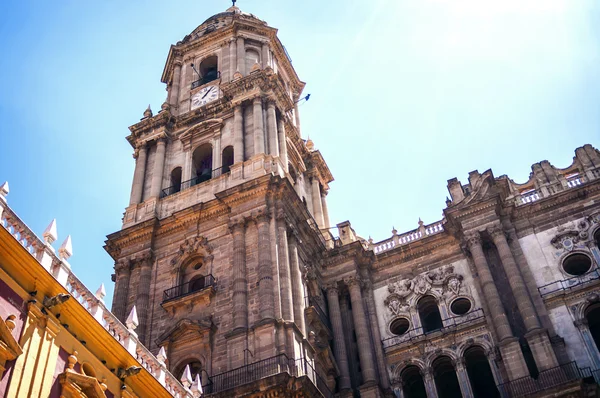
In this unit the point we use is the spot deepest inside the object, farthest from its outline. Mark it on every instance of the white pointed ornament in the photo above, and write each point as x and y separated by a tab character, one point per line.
162	355
50	235
66	249
4	190
101	292
197	386
132	321
186	377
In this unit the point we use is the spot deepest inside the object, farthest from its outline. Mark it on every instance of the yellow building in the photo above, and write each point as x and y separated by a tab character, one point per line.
57	338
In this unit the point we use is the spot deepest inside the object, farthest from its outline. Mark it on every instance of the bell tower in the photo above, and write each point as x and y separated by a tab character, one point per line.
227	218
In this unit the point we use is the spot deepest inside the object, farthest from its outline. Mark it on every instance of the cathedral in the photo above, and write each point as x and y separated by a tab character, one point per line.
230	280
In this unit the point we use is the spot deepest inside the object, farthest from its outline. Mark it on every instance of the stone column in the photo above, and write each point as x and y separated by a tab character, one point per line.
137	188
297	291
509	345
325	210
143	296
265	55
159	164
536	336
122	274
259	131
287	310
232	58
240	284
241	56
380	356
316	201
265	272
282	144
588	341
216	156
338	336
174	94
463	379
365	352
430	383
272	129
238	134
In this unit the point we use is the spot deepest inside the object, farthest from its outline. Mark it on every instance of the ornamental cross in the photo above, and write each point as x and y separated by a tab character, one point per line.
233	1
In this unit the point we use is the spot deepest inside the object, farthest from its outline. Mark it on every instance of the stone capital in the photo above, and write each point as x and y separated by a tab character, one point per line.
122	265
257	100
352	281
580	323
496	232
332	288
472	238
237	224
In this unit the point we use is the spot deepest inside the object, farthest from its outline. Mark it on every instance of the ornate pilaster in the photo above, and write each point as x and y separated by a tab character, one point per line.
287	310
232	58
241	56
272	129
430	383
237	228
316	201
588	341
282	143
365	351
297	290
174	93
326	224
137	188
122	274
259	130
339	345
238	134
463	379
143	295
159	164
265	272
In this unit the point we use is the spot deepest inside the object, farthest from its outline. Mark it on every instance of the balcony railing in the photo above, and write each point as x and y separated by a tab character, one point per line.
203	177
419	333
266	368
569	283
311	302
547	379
188	288
206	79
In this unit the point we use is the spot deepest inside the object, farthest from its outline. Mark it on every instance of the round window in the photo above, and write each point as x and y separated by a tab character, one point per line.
577	264
460	306
88	370
399	326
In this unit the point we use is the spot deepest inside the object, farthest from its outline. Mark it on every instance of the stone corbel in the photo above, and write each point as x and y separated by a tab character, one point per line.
9	347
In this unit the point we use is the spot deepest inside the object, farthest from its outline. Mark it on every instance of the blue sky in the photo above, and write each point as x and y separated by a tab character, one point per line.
405	95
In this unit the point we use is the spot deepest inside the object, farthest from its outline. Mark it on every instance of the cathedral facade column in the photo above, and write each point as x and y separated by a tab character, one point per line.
232	58
241	56
122	274
287	309
137	189
430	383
339	344
238	134
175	85
265	54
297	291
272	129
282	143
326	224
259	130
536	336
265	273
143	296
379	354
240	285
509	345
365	351
316	200
159	164
463	379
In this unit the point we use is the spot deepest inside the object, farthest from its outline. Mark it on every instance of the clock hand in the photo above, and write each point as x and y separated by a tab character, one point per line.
209	90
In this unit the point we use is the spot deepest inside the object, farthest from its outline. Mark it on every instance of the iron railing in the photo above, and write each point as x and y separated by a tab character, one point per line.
188	288
569	283
205	79
203	177
266	368
418	332
547	379
311	302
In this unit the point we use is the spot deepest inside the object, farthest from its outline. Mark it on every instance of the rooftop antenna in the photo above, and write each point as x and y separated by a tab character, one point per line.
233	2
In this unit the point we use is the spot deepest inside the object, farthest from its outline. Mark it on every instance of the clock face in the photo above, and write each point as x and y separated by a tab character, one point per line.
204	96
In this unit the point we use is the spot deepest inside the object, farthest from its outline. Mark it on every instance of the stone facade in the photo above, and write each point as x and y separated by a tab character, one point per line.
226	253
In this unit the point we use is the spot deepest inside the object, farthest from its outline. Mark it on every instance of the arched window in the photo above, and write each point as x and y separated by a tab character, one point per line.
198	283
445	378
208	69
175	180
597	238
577	264
429	314
227	158
592	315
480	374
195	369
412	382
252	57
202	164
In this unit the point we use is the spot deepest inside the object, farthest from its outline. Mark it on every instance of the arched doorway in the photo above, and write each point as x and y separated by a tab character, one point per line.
413	385
429	313
208	69
202	164
227	159
480	374
446	381
592	315
175	180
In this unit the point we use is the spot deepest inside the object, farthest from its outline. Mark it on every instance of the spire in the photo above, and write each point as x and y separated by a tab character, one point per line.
4	191
132	321
186	377
50	234
66	249
147	112
101	292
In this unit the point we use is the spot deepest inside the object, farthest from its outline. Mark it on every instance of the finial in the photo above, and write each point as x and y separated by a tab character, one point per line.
394	232
309	144
370	240
162	355
66	249
197	386
4	191
72	361
186	377
101	292
10	322
148	112
50	234
132	321
165	106
420	222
